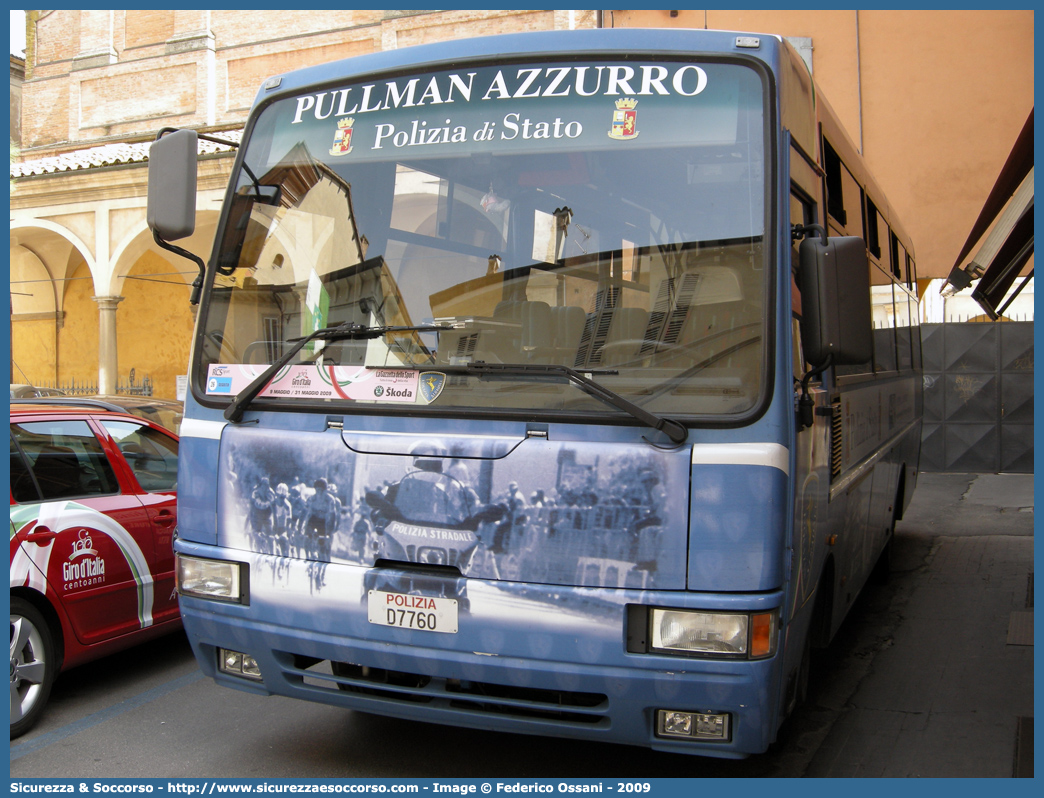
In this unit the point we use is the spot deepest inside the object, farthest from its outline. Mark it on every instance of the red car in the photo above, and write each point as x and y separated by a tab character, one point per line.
93	515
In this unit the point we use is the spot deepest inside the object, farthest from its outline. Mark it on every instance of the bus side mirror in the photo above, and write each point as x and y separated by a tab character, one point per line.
834	280
171	210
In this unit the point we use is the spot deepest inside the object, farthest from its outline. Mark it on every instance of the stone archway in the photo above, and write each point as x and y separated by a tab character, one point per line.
82	233
64	306
155	318
45	259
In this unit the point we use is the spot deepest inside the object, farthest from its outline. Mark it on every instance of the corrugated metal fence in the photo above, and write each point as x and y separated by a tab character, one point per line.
978	397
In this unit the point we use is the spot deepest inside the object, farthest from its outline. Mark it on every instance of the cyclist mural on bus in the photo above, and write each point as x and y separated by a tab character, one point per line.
585	520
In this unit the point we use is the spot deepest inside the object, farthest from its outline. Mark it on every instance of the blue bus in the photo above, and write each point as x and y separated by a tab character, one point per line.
559	383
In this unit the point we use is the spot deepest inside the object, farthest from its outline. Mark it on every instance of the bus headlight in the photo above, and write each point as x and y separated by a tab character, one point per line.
751	635
211	579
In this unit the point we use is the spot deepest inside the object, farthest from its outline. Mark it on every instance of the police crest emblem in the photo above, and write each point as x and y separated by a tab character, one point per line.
342	144
625	120
431	385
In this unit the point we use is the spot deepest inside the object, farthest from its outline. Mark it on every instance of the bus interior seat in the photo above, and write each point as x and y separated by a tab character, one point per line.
567	324
550	334
627	333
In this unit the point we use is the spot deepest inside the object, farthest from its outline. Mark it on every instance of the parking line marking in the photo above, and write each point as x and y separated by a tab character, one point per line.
44	740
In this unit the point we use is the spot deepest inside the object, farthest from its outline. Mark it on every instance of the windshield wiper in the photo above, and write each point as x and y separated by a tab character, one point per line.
674	430
348	330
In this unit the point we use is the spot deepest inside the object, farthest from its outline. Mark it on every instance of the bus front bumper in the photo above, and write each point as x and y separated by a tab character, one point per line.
530	659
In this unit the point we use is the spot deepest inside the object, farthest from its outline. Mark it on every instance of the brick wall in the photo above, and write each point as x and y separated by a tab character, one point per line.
17	76
99	76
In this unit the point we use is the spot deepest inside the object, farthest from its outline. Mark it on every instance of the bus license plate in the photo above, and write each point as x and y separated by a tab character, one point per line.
404	611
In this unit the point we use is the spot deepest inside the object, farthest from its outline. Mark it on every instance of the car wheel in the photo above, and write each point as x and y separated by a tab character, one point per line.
32	665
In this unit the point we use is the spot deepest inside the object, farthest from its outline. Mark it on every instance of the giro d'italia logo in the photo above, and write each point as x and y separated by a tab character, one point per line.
625	120
83	546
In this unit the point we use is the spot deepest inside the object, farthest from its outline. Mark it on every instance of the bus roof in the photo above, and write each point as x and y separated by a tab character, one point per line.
547	43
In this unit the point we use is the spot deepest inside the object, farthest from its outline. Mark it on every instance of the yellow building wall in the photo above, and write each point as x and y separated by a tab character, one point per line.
936	99
154	325
154	332
945	95
32	351
78	338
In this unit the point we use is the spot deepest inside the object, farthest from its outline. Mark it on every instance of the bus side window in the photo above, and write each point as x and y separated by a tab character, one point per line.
903	264
883	307
915	318
886	252
905	308
835	189
878	237
898	256
802	211
844	194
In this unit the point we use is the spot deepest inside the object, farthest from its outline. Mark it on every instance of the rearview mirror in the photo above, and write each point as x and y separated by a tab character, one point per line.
171	210
834	280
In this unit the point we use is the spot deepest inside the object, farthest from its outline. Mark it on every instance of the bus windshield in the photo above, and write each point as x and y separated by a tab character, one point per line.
609	218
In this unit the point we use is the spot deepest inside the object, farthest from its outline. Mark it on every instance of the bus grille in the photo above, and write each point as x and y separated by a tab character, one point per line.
556	706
